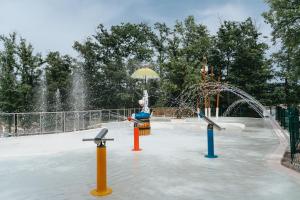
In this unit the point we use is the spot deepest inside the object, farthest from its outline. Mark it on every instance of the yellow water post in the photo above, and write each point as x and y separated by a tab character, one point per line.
102	189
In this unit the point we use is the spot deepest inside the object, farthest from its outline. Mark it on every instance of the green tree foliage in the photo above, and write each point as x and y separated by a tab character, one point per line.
9	98
240	54
20	74
29	71
284	18
107	63
109	56
58	79
286	73
180	50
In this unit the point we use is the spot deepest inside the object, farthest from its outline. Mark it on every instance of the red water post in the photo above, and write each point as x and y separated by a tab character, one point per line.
136	142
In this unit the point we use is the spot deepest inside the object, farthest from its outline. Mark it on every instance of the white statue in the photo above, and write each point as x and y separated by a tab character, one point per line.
144	102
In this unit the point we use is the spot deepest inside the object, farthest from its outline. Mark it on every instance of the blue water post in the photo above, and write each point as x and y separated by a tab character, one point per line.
210	142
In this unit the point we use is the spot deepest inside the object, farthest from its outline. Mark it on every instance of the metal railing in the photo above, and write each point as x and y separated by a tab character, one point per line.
32	123
288	117
18	124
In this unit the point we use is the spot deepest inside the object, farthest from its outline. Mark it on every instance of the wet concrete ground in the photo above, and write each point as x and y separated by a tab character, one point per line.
170	166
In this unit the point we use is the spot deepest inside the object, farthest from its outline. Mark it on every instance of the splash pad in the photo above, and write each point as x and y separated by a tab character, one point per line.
171	165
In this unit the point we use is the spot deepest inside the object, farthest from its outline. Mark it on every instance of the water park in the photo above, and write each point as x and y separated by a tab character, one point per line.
188	152
203	108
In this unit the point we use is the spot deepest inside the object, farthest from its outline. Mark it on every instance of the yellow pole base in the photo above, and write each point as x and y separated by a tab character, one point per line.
94	192
101	189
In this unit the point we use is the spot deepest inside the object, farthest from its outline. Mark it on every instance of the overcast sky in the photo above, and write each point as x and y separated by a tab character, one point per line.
54	25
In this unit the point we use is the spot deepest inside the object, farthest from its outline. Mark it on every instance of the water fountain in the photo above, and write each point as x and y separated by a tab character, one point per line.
42	97
187	100
57	101
78	91
58	107
189	95
78	96
42	102
233	107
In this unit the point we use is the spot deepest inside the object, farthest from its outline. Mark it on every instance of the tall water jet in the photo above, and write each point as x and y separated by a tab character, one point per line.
41	103
57	101
78	96
42	95
78	91
57	107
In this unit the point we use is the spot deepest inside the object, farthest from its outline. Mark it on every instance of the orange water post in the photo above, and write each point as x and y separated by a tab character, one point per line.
100	140
101	189
136	138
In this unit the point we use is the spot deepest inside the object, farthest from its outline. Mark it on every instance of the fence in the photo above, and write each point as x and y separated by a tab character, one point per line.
176	112
18	124
289	119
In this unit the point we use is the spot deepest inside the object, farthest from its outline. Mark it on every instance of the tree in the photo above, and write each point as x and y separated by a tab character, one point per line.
110	56
286	73
180	50
239	49
225	46
284	18
9	96
106	56
58	78
29	71
20	75
91	70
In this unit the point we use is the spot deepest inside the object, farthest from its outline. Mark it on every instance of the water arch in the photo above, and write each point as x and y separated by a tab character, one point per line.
188	96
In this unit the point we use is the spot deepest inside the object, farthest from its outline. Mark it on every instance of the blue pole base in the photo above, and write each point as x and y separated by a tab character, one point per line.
211	156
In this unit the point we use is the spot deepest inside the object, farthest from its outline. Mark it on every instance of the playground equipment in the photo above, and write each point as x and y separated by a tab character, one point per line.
101	189
209	121
136	137
210	136
144	73
210	142
143	116
144	127
207	78
209	87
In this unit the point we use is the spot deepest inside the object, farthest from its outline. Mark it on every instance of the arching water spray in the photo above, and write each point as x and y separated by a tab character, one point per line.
188	97
233	106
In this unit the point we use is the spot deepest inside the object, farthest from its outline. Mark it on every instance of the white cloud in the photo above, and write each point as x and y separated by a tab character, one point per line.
228	12
213	16
55	25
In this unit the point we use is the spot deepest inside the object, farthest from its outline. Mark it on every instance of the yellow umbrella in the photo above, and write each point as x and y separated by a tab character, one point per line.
145	73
